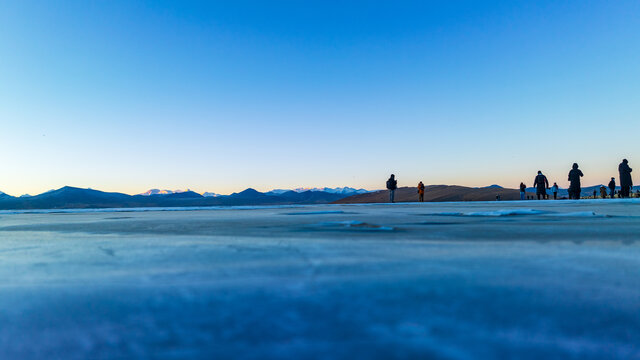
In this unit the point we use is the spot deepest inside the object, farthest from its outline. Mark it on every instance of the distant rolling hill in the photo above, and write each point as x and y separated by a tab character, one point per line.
436	193
76	198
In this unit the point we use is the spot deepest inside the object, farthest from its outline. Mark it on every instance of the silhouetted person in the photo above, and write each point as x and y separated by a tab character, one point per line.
523	191
574	178
594	193
420	191
612	187
603	192
392	185
625	178
554	190
541	184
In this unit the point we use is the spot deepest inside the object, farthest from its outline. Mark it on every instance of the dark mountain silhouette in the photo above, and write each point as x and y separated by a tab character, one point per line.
76	198
182	195
5	196
494	186
248	193
66	197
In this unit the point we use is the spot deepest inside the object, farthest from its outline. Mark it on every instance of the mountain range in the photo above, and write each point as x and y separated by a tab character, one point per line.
74	198
339	190
168	192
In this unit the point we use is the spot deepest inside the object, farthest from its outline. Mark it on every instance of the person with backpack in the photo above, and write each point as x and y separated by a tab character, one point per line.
523	190
420	191
392	185
612	187
541	184
625	178
554	190
574	178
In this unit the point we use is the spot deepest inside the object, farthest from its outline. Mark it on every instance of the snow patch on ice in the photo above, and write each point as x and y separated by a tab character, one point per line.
149	209
578	214
511	212
503	212
316	212
354	224
516	212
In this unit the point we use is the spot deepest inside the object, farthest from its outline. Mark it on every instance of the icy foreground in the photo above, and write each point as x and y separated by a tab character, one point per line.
529	280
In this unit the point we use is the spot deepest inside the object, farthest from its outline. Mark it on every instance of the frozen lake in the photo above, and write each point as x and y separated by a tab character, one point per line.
528	280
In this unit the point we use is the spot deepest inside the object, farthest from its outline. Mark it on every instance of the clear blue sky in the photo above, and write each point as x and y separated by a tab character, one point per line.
220	96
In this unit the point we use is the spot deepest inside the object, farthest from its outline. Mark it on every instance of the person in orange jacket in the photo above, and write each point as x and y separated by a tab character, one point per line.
421	191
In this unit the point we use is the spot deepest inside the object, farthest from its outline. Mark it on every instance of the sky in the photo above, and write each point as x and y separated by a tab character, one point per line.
128	95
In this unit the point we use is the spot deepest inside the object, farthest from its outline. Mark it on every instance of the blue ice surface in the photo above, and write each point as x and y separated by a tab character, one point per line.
526	280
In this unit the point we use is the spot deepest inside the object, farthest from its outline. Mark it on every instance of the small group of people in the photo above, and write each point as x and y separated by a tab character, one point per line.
392	185
542	184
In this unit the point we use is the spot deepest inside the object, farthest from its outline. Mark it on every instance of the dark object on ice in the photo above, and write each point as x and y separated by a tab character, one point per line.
498	198
392	185
541	184
574	178
594	193
523	189
420	191
625	178
612	187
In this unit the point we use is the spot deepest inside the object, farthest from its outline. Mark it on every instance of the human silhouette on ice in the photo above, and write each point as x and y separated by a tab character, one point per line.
541	184
612	187
574	178
625	178
392	185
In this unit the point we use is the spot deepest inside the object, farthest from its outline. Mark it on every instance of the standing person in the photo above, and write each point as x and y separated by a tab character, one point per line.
392	185
554	190
574	177
625	178
603	192
594	194
523	190
421	191
612	187
541	184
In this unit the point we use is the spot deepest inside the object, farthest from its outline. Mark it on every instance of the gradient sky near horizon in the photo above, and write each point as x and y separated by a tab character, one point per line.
221	96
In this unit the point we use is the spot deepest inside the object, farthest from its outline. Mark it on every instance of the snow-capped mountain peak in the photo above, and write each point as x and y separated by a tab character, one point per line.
338	190
162	192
